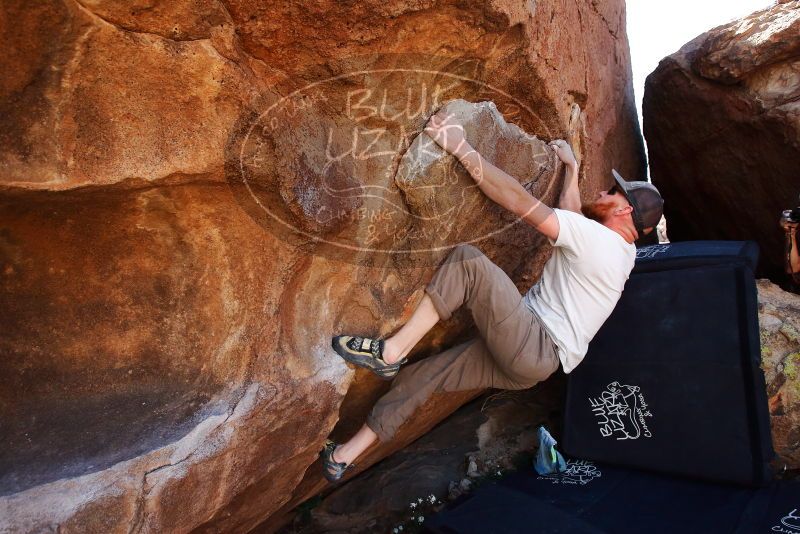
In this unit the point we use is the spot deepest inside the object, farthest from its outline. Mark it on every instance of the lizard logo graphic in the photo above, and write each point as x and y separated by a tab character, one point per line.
341	164
651	252
621	411
579	472
791	520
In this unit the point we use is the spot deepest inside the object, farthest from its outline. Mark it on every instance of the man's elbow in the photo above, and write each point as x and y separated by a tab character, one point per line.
520	205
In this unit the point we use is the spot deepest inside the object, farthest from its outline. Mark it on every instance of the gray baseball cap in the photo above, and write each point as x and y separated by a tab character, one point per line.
648	206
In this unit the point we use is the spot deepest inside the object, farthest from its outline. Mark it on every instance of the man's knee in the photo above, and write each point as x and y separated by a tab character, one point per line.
521	381
528	374
464	251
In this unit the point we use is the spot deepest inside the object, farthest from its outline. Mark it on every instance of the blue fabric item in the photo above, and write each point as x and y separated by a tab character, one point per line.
548	459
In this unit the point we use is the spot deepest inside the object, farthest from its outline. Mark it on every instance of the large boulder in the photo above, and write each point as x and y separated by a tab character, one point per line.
722	123
195	195
779	320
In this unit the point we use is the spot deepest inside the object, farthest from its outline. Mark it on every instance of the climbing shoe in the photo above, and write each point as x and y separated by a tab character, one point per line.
367	353
332	471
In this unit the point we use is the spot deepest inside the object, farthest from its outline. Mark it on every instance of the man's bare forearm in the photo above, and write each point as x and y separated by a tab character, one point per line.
570	195
501	187
493	182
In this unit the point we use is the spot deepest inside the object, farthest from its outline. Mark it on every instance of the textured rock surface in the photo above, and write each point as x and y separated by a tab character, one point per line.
164	343
722	123
480	442
779	319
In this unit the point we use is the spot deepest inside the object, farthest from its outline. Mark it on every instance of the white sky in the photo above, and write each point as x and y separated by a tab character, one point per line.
657	28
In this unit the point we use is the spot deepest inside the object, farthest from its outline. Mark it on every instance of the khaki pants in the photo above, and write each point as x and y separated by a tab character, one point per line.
513	350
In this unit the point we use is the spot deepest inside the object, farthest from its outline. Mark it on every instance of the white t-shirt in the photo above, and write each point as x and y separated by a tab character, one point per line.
581	283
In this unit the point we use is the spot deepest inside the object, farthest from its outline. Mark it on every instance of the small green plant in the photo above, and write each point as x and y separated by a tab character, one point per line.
790	365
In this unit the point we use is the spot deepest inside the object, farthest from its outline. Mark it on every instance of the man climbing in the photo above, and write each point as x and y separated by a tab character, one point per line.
522	339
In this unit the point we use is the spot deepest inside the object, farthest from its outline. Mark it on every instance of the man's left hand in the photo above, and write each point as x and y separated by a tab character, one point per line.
564	152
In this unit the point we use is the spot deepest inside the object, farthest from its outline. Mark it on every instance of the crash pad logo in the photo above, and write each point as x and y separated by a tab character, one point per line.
579	473
621	412
651	252
789	524
335	160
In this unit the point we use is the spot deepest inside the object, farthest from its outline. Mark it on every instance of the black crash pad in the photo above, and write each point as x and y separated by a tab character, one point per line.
595	499
672	382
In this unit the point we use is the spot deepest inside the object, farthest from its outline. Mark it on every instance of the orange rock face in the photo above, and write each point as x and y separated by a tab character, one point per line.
195	195
722	122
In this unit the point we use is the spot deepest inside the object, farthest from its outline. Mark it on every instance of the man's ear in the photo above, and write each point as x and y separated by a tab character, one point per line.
624	211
